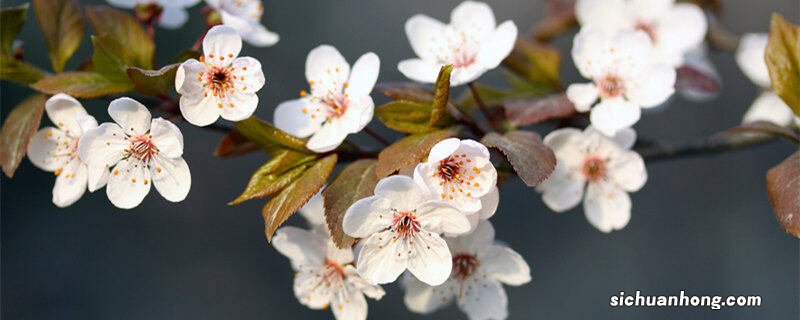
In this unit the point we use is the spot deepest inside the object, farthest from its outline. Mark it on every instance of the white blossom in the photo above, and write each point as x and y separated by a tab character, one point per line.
673	28
325	275
604	166
339	103
55	149
473	43
401	230
458	172
768	106
624	76
173	14
142	152
314	211
480	267
245	17
221	83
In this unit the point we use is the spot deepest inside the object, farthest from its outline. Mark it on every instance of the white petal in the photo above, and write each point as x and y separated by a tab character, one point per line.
97	177
49	149
200	110
420	70
505	265
403	192
561	191
625	138
607	207
583	95
370	290
424	34
465	75
443	149
326	70
179	3
131	115
311	290
221	45
294	118
497	45
329	136
128	184
628	171
103	146
474	242
249	74
771	108
367	216
64	111
125	4
489	203
349	303
167	138
238	106
679	30
314	211
359	113
652	88
303	248
336	254
364	75
422	298
567	145
173	17
603	14
87	122
612	115
171	177
750	57
258	35
483	298
70	184
188	78
377	261
473	17
438	217
430	260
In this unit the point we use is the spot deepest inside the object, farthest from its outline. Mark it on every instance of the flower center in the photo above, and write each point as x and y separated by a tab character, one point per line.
454	175
594	168
464	265
611	86
404	223
142	148
219	81
332	271
462	60
336	105
648	28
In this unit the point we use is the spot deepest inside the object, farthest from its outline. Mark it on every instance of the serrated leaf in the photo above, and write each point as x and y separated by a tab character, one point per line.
440	114
268	137
156	83
783	183
18	128
122	35
408	91
11	22
62	26
110	59
405	116
537	63
529	156
409	150
18	71
234	144
522	112
296	194
82	85
275	175
355	182
783	61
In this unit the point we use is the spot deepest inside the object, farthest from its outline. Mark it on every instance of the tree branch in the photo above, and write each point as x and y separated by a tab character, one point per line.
708	146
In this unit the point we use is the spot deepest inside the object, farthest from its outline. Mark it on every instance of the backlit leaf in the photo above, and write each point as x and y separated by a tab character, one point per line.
284	167
11	22
409	150
408	91
783	61
18	128
62	26
268	137
158	83
82	85
18	71
122	35
405	116
440	115
355	182
783	187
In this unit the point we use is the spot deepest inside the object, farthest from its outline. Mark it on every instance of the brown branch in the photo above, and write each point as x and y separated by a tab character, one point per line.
708	146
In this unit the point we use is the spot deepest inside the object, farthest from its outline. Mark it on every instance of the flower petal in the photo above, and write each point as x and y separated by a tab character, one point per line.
311	290
377	261
49	149
420	70
607	207
443	149
474	242
171	177
258	35
679	30
249	74
64	111
173	17
497	45
326	70
125	4
505	265
98	177
652	88
582	95
329	136
70	184
293	117
474	18
603	14
422	298
238	106
364	75
402	192
104	146
430	260
628	171
366	217
489	203
349	303
358	114
750	57
167	138
221	45
561	191
771	108
438	217
425	35
128	184
612	115
189	77
200	110
303	248
370	290
483	299
132	116
314	210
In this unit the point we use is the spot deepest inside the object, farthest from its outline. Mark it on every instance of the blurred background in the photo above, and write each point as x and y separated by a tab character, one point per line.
703	225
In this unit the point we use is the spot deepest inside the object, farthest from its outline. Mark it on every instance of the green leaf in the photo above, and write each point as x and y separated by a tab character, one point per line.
268	137
18	128
157	83
531	158
357	181
18	71
783	61
62	25
122	35
408	91
405	116
11	22
409	150
82	85
110	58
275	175
440	114
537	63
783	183
296	194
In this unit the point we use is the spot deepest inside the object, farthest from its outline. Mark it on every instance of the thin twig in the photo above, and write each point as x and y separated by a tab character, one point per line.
481	105
377	136
707	146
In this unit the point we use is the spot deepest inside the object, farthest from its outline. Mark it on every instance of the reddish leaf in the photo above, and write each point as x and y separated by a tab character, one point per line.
357	181
522	112
406	91
409	150
234	144
284	168
783	187
529	156
689	78
18	128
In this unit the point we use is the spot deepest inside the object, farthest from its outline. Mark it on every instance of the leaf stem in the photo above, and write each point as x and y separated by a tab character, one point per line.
377	136
199	41
482	105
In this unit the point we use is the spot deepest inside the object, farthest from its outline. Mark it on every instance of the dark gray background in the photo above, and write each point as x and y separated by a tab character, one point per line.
702	225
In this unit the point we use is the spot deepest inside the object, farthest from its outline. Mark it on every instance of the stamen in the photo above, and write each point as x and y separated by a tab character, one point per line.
464	265
594	168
